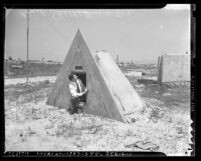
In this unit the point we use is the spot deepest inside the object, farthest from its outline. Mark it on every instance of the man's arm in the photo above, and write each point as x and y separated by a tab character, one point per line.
73	91
84	89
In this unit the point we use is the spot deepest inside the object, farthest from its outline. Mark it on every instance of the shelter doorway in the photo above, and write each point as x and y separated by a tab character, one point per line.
82	76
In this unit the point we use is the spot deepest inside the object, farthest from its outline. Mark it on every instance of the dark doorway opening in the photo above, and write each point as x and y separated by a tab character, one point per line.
82	76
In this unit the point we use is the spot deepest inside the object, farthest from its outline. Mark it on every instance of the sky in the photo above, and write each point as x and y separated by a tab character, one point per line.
138	35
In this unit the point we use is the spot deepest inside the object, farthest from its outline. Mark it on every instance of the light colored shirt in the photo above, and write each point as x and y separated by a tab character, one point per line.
73	88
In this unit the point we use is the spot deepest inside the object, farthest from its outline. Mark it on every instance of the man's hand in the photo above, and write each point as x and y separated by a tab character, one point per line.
85	91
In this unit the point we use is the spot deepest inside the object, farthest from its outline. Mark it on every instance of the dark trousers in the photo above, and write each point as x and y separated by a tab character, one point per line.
75	105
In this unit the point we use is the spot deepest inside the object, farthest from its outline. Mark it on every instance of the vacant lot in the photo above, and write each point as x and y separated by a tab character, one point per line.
31	69
31	125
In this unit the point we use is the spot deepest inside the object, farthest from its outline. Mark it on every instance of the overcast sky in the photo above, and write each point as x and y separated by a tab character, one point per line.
138	35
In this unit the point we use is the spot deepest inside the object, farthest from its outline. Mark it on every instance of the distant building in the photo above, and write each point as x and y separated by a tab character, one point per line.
6	59
52	62
134	73
127	63
34	61
12	61
120	64
17	66
43	62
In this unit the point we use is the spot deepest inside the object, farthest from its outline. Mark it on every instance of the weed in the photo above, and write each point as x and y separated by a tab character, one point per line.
47	82
13	93
156	114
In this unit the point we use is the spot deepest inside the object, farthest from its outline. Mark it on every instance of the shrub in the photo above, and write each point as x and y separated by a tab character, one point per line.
46	81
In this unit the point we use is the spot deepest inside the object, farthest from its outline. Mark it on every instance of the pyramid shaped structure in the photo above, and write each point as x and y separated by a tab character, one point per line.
110	93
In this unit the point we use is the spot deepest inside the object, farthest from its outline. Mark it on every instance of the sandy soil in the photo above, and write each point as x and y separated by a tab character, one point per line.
15	81
31	125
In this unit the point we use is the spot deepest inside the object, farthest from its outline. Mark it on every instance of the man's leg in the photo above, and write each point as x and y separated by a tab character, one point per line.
78	108
73	106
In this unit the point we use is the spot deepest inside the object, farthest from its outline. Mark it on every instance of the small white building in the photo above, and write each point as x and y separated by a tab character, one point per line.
134	73
34	61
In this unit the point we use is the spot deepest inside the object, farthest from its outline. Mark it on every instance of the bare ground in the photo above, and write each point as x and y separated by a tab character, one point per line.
31	125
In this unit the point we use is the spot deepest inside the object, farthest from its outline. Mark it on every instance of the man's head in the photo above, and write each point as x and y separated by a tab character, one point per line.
72	77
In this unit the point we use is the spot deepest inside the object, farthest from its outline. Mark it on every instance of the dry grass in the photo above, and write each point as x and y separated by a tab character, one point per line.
14	92
54	129
170	97
33	70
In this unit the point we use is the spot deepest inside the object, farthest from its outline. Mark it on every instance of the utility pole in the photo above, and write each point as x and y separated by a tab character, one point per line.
27	41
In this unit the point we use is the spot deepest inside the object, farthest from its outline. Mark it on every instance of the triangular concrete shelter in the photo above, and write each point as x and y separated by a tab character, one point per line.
110	93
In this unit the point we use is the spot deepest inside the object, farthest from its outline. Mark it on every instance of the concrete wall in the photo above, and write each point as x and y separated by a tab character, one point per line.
174	68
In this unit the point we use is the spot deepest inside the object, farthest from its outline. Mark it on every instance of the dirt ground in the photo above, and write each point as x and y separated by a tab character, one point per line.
31	125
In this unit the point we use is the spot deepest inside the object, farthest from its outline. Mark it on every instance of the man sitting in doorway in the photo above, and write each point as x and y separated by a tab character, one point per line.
77	90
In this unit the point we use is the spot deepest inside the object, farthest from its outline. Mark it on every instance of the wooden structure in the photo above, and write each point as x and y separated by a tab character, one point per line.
110	93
